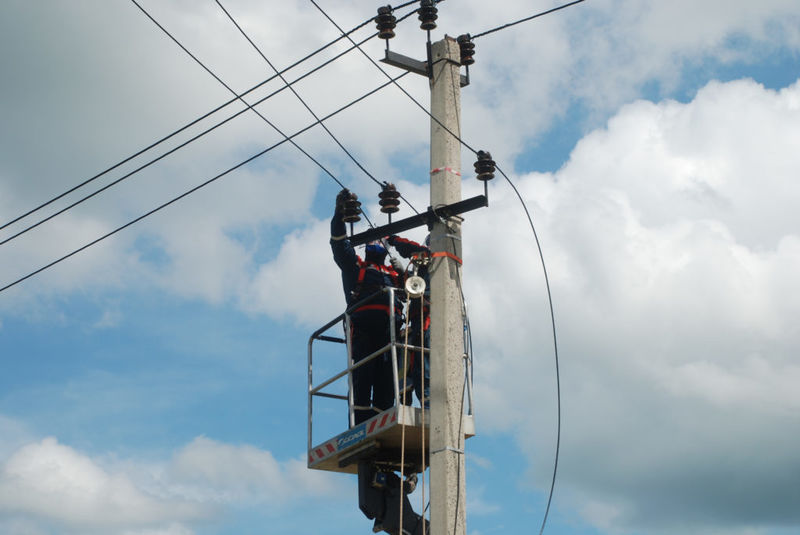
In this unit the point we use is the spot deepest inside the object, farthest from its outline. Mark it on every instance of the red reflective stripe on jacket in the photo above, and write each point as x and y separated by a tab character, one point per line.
364	266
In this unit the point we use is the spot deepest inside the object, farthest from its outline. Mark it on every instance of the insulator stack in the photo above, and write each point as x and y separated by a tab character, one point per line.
352	209
386	22
467	49
428	14
390	199
484	166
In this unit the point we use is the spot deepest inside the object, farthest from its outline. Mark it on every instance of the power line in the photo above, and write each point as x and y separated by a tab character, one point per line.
526	19
401	88
302	101
206	115
196	188
226	86
140	168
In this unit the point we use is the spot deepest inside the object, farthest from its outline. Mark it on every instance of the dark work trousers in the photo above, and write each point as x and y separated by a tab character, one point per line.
373	383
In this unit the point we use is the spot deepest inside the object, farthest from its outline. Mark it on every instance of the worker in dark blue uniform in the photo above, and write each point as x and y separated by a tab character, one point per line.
419	318
379	491
373	388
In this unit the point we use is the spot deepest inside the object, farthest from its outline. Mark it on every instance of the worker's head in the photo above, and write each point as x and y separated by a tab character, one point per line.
375	252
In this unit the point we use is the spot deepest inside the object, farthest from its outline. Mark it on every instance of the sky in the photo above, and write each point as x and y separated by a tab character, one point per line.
155	383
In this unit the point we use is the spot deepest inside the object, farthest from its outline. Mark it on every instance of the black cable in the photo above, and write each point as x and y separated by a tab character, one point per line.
226	86
373	61
189	192
526	19
124	177
206	115
555	344
302	101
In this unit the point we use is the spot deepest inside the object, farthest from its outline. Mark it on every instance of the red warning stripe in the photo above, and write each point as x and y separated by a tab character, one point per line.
440	169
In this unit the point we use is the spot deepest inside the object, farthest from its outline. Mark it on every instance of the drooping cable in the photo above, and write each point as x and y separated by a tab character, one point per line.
526	19
555	345
302	101
194	189
204	116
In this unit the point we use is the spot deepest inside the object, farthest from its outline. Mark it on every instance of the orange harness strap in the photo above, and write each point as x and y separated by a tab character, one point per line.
448	255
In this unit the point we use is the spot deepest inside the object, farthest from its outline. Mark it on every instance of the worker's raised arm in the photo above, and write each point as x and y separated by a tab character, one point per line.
406	248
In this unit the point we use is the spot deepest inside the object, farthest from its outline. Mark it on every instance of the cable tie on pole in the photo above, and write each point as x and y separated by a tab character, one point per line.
448	448
448	255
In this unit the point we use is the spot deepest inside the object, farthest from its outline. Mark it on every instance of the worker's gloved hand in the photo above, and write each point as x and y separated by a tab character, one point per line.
397	265
341	198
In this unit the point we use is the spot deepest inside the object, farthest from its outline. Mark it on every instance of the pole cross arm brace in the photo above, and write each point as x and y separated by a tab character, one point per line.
414	65
425	218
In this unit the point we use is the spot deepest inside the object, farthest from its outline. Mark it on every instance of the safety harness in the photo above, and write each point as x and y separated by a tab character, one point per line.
361	286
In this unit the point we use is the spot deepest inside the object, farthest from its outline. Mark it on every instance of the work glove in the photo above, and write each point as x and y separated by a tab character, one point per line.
397	265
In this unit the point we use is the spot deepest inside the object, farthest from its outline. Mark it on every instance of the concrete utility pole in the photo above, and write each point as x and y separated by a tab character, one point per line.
447	330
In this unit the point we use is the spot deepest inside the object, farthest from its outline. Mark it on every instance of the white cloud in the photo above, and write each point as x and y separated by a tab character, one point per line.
56	483
675	314
210	471
46	483
302	282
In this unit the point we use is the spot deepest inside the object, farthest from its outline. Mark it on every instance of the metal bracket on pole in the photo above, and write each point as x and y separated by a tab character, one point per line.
413	65
425	218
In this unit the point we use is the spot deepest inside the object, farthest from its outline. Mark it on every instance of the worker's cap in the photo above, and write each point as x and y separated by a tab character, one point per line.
375	248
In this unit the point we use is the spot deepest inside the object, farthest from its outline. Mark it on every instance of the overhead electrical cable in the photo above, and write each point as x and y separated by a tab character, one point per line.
208	114
196	188
303	102
526	19
229	88
194	138
401	88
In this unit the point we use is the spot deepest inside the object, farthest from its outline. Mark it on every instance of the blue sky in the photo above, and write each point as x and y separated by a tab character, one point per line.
155	383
